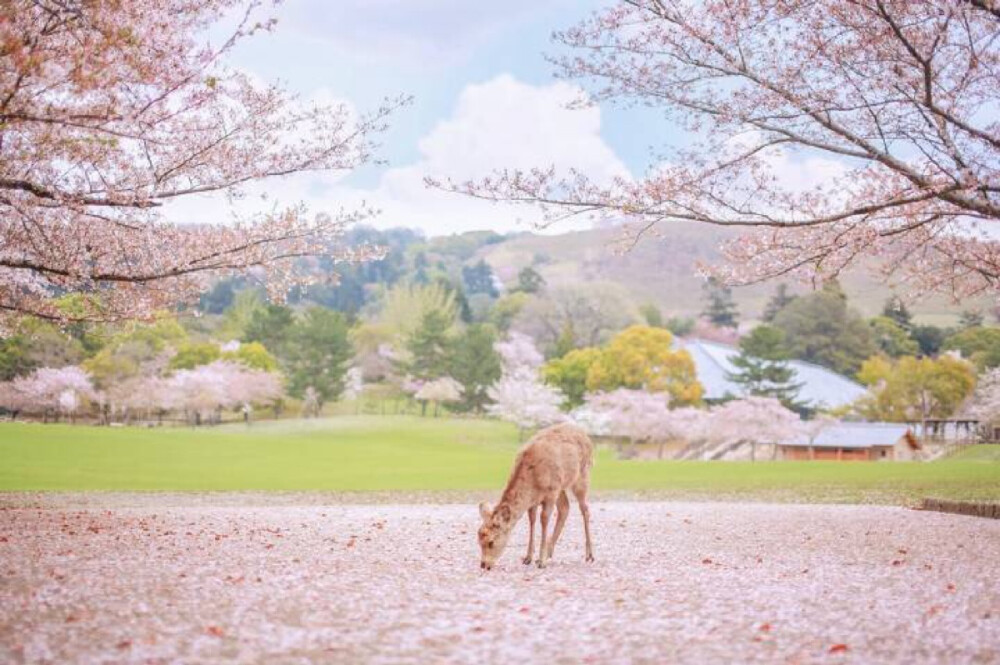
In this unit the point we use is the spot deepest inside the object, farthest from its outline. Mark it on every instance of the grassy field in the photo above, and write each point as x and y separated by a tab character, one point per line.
366	453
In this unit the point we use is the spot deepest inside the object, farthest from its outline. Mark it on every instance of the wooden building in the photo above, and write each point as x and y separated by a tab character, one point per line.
856	442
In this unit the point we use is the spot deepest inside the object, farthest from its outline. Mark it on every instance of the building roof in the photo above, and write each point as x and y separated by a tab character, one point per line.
821	387
854	435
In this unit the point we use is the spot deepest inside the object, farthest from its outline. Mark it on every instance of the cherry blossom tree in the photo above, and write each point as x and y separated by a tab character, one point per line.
636	415
524	400
205	391
48	390
109	111
754	420
440	391
519	355
893	104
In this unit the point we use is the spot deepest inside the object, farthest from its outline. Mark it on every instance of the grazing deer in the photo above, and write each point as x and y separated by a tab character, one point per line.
556	460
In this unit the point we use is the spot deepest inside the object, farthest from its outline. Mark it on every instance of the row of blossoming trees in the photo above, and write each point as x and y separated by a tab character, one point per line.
640	414
199	394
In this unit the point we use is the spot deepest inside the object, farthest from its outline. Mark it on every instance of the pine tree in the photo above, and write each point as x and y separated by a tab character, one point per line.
762	367
479	279
427	347
778	301
530	280
475	364
896	310
721	309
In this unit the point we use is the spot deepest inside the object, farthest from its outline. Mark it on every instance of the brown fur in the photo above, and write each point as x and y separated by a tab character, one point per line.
556	460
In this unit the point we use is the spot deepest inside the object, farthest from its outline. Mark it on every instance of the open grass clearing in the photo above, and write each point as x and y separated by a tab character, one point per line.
450	458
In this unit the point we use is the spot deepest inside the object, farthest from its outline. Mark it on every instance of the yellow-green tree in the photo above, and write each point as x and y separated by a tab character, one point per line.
910	389
253	355
569	374
642	358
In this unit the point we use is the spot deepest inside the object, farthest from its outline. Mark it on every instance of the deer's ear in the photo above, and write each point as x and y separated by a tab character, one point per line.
484	510
503	512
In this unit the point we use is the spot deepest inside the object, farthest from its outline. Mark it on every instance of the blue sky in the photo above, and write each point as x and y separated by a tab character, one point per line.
484	98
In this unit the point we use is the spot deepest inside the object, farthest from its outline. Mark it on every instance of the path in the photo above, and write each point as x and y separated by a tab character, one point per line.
683	582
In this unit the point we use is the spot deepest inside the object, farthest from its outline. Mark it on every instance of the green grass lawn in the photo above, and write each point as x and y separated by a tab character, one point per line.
365	453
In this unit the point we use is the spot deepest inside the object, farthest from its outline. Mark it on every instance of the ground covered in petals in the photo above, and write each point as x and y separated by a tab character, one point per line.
681	582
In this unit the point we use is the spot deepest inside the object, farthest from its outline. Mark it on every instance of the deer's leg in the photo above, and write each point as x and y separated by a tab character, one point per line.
581	498
562	512
529	557
546	513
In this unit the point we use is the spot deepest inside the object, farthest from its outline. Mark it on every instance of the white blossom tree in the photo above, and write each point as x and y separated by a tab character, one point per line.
519	355
47	391
754	420
444	390
636	415
525	401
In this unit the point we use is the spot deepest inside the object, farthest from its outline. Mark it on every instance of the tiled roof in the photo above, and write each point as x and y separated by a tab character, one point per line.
855	435
821	387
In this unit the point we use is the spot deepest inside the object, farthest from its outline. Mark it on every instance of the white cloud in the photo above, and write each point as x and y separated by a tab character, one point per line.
502	123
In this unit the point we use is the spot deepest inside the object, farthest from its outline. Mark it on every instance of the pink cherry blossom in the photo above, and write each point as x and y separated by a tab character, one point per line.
836	131
110	110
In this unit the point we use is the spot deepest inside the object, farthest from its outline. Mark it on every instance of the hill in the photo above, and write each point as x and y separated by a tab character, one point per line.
663	271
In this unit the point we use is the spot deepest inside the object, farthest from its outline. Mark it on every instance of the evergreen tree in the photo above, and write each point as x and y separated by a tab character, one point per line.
530	280
778	302
270	325
318	354
479	279
420	265
929	338
476	365
971	318
896	310
427	346
762	367
721	309
822	328
651	313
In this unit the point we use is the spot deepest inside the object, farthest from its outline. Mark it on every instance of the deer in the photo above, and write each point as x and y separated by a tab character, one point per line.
555	461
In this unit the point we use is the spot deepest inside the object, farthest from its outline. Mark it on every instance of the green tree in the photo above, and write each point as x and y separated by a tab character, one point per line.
652	315
821	328
271	325
236	318
929	338
641	358
428	346
253	355
15	359
566	341
979	344
781	299
569	374
762	367
476	365
720	308
896	310
892	338
506	310
195	354
911	388
318	354
530	280
680	326
478	278
971	318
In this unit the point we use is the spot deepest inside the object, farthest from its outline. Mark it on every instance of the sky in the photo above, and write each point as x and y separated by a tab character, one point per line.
484	97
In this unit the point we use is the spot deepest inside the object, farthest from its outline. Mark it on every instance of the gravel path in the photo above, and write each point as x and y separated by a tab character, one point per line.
674	582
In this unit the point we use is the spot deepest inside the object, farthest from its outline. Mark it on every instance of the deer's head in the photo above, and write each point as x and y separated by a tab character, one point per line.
493	532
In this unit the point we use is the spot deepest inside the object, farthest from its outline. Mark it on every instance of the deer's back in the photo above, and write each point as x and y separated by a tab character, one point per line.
556	458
